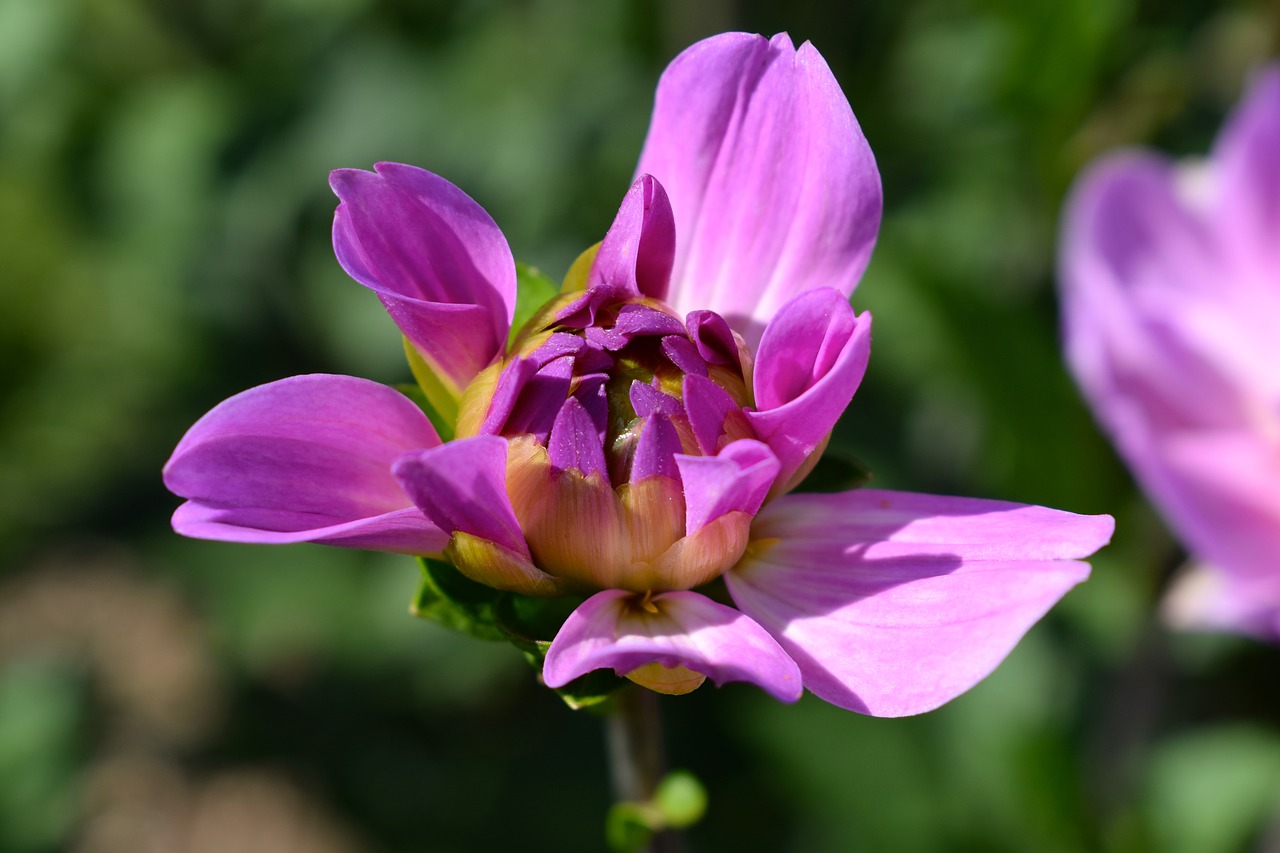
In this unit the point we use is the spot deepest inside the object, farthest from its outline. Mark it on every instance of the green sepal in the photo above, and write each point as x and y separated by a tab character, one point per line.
837	471
530	624
438	399
533	290
444	429
449	597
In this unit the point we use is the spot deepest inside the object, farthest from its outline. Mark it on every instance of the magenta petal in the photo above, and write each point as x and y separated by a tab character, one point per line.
611	630
462	487
575	444
772	184
305	459
735	480
707	405
636	254
436	260
895	603
809	365
656	450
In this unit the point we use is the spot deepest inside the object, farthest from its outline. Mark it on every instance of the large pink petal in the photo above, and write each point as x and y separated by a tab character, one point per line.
773	186
611	630
811	360
305	459
895	603
435	258
462	487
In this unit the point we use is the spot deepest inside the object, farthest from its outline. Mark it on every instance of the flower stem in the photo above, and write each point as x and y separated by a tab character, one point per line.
636	758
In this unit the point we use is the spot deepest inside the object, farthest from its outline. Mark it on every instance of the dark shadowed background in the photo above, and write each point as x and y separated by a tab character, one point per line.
164	243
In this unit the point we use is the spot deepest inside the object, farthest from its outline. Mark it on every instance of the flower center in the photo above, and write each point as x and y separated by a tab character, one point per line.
600	399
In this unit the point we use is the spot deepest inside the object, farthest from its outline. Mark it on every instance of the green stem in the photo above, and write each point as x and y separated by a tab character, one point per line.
636	759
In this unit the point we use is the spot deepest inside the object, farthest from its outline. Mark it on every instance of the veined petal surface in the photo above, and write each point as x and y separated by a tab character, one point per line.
304	459
612	630
894	603
435	258
772	184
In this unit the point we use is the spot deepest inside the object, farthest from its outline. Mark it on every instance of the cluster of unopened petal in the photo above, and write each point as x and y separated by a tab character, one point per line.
603	402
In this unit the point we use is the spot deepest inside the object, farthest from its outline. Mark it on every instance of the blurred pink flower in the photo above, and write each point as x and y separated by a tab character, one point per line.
637	440
1171	297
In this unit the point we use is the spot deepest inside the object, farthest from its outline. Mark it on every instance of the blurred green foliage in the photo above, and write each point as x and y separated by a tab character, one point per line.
164	222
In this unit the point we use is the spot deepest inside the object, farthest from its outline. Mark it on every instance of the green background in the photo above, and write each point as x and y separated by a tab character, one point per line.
164	243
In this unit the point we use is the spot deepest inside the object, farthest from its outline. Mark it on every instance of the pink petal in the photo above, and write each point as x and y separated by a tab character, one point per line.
735	480
811	360
773	186
1247	159
1221	489
462	486
436	260
612	630
636	255
304	459
895	603
1172	341
1204	598
1140	278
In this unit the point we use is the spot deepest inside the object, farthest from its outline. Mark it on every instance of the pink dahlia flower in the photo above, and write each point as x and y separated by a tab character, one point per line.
1171	296
632	447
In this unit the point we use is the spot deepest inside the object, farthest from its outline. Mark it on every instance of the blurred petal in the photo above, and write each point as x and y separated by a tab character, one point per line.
1173	343
1139	287
1222	491
895	603
305	459
462	486
811	360
772	184
1204	598
436	260
1247	162
636	255
613	630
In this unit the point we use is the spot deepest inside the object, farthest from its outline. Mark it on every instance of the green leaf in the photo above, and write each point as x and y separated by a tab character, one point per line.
447	596
531	624
533	290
